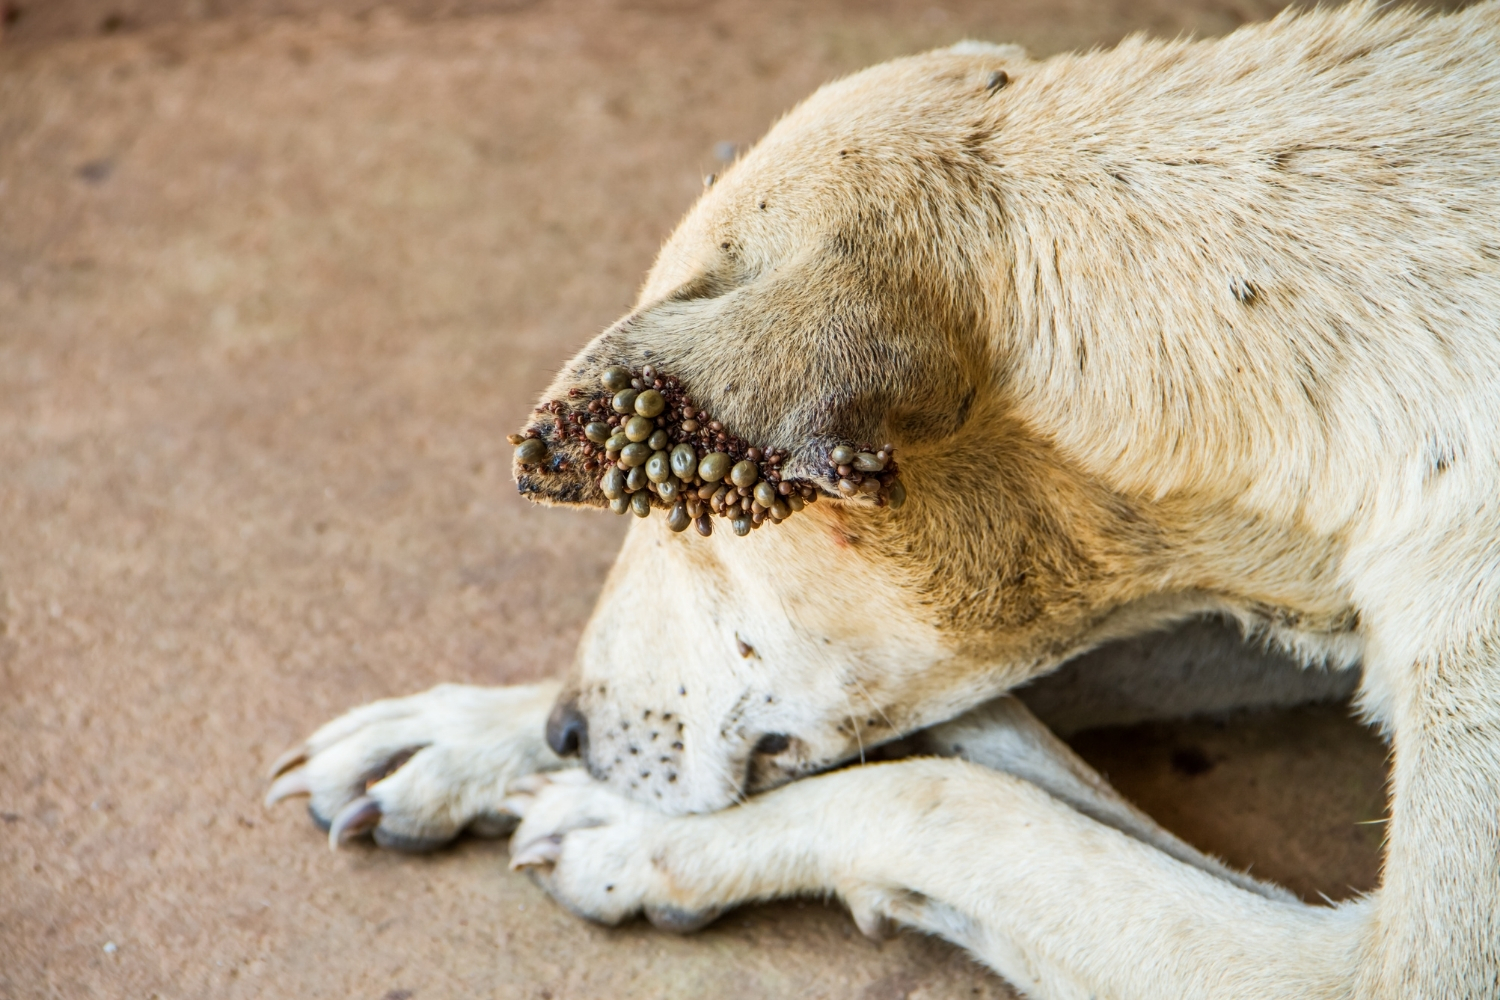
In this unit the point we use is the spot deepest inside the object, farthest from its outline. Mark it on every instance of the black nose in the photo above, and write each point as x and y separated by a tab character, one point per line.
567	729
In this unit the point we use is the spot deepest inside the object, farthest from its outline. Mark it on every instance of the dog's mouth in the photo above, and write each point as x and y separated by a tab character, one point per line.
639	443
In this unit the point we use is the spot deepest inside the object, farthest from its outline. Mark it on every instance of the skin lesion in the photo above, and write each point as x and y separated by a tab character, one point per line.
640	443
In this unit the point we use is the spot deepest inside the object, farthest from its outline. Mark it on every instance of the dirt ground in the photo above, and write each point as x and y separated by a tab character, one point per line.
276	278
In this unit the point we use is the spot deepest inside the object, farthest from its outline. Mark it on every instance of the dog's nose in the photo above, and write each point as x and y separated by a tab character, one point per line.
567	729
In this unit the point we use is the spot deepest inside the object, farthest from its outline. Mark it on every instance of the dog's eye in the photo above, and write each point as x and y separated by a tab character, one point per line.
773	743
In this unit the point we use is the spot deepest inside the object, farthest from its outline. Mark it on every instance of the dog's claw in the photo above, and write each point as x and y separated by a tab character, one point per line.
356	818
287	761
287	786
545	851
865	906
522	793
875	926
529	784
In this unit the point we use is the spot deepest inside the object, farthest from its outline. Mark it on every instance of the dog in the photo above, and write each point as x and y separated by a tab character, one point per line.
1177	329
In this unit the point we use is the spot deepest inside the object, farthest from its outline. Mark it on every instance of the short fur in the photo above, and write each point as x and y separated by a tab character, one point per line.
1173	329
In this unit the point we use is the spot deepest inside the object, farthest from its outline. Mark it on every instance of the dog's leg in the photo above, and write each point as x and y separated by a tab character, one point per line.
417	771
1437	927
1005	736
1061	905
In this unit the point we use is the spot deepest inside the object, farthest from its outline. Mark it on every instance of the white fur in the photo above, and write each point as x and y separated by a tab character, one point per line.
1248	289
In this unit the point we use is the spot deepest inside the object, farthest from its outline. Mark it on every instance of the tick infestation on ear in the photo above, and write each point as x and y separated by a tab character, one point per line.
650	447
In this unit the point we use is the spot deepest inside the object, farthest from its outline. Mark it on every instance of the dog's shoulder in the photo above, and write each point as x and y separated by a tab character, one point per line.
1265	265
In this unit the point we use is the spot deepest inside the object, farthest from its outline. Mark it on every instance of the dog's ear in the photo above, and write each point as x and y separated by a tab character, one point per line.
795	365
837	352
827	293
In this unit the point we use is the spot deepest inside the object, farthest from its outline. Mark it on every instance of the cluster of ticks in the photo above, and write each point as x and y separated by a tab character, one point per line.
651	447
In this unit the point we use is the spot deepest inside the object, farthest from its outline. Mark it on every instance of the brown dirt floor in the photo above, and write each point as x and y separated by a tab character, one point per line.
276	278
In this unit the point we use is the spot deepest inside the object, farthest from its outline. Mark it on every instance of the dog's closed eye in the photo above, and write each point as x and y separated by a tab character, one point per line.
773	743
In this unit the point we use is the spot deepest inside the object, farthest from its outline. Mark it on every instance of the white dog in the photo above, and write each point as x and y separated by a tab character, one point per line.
1174	329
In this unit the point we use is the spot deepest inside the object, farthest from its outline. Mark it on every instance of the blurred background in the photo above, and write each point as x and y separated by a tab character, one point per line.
276	279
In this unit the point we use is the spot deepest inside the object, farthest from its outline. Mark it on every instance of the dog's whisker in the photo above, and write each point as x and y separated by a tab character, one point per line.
854	723
895	732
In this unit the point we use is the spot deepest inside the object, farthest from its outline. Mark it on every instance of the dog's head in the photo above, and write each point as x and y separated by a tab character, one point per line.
836	287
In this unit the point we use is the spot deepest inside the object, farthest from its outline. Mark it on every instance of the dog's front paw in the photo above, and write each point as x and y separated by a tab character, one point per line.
415	772
601	855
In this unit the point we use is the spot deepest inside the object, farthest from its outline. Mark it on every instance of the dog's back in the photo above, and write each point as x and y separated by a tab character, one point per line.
1270	263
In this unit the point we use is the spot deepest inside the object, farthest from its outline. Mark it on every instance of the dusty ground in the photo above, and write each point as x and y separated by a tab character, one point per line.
274	284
